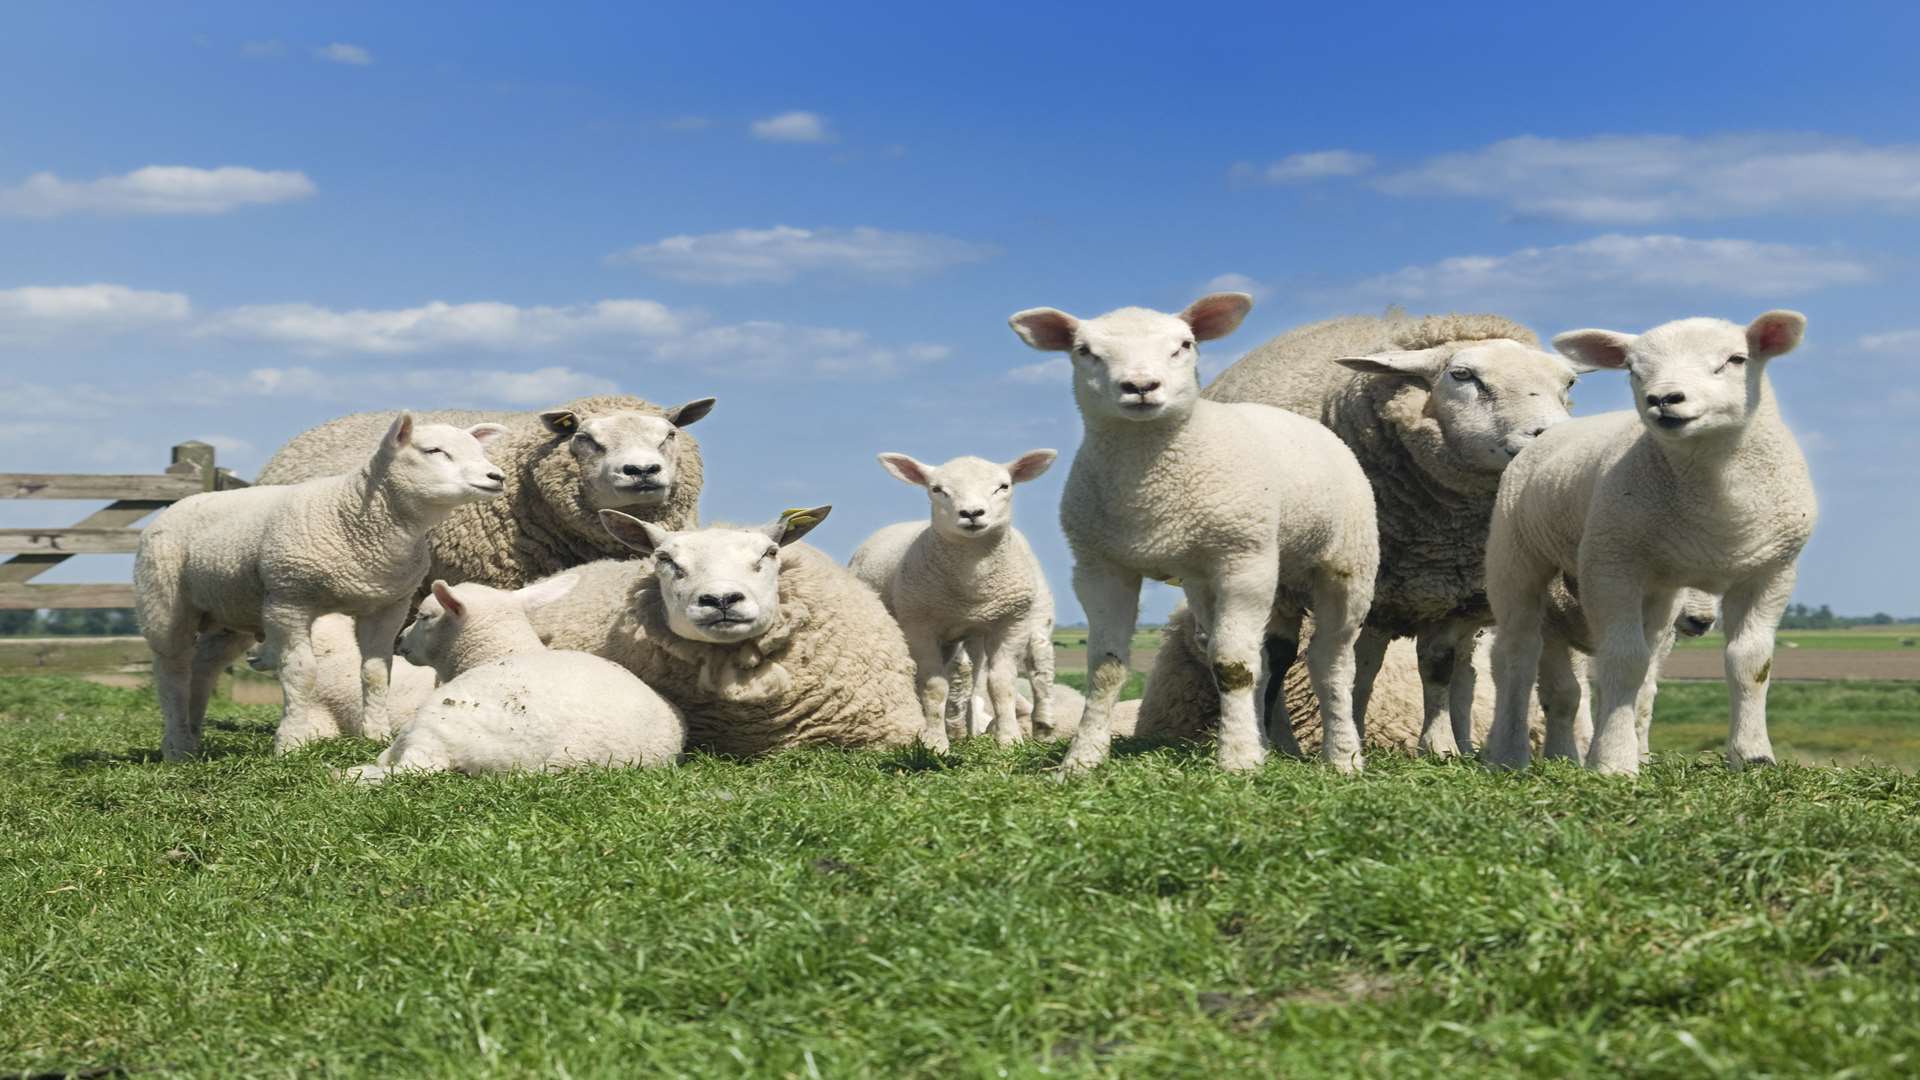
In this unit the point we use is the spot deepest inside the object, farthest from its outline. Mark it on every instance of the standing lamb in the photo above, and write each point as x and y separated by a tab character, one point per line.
763	643
1257	511
1434	408
1701	486
969	578
563	466
508	702
216	570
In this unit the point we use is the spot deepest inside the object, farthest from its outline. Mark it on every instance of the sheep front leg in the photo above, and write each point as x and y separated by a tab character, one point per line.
1563	698
981	709
1434	647
289	647
1517	590
375	635
1282	649
1752	611
1236	641
1111	598
1337	614
930	674
1368	654
1618	607
999	679
1460	689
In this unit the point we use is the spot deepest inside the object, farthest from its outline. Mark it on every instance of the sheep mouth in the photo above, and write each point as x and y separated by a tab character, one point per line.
1693	626
642	487
491	489
1673	423
973	526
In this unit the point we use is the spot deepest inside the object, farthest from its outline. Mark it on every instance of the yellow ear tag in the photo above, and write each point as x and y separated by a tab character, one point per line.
565	423
796	515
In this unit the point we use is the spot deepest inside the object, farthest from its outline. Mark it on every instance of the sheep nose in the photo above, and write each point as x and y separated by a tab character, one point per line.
719	600
1658	400
497	477
972	514
640	470
1140	388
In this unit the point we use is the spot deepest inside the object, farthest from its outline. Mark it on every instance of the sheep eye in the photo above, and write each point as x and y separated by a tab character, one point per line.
435	450
1461	375
587	441
1187	344
1736	358
772	553
1004	487
672	435
937	489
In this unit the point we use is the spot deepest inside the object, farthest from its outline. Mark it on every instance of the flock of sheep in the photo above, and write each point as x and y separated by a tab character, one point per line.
1344	485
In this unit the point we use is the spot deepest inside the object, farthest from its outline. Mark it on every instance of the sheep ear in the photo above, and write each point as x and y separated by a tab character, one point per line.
560	421
641	536
546	591
1775	334
1044	328
905	468
1030	465
1217	315
1591	350
400	433
486	433
1423	364
691	411
791	525
448	601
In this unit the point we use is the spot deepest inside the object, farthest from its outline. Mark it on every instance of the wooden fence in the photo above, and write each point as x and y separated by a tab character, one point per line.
111	530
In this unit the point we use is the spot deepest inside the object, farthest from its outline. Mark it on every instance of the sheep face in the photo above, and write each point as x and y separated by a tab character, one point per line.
439	465
1693	378
972	498
717	585
1490	398
450	612
1698	612
1134	364
627	459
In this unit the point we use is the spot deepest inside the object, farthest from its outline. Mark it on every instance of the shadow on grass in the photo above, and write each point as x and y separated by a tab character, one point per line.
83	760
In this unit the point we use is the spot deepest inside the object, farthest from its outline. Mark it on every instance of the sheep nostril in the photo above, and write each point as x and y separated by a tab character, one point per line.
496	477
1140	388
707	600
1536	433
733	598
650	470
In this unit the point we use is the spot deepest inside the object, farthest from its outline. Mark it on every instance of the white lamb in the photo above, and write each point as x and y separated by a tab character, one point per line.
966	578
218	570
507	702
1702	486
1258	512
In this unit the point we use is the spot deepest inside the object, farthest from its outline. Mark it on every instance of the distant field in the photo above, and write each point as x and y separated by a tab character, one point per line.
1866	637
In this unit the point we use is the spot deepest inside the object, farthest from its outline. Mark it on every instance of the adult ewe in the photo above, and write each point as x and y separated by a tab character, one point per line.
966	578
1257	511
507	702
763	643
216	571
1434	408
1701	486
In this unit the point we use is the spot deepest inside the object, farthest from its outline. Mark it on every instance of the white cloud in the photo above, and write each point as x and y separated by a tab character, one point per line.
342	53
1056	369
775	348
263	50
439	325
1236	283
451	387
793	127
1638	179
37	310
155	189
1614	263
782	253
1896	341
1299	168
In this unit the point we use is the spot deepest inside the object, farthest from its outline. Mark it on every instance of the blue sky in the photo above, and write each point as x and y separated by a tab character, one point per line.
233	222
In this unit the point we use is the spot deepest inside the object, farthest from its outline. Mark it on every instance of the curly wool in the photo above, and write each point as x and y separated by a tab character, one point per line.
832	670
542	525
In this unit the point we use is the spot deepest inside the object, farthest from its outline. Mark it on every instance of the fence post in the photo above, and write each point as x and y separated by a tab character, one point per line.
198	456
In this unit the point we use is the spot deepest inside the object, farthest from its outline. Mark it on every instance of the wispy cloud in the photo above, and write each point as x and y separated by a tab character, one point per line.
782	253
792	127
450	387
342	53
35	311
1640	179
1906	342
1057	369
155	189
1300	168
1237	283
439	325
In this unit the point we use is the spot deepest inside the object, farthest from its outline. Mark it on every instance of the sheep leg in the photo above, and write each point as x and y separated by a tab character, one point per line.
999	680
1282	649
375	634
1619	606
1752	612
1336	626
1111	598
1517	591
980	707
169	630
930	674
1368	654
1649	690
1563	699
1460	687
211	655
1040	677
290	643
1434	648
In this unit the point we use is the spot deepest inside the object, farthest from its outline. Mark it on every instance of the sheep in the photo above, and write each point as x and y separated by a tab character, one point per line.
562	466
508	702
967	577
1700	486
1245	504
217	569
764	643
1567	641
1434	408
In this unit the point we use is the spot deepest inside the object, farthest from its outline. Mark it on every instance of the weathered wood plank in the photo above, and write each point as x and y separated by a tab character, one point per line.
70	541
24	568
28	597
83	486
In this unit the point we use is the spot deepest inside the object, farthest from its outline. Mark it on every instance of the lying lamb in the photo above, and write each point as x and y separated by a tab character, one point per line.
1257	511
217	570
562	467
763	643
507	702
1701	486
968	578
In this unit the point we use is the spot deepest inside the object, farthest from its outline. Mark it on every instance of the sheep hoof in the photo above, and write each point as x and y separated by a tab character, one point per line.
1762	761
1347	764
1439	749
1241	758
935	741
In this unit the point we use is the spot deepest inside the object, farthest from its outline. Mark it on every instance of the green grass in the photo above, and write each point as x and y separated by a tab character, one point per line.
1865	637
890	914
1846	723
1148	638
1135	686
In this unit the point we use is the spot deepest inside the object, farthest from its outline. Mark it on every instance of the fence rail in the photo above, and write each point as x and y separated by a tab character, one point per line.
111	530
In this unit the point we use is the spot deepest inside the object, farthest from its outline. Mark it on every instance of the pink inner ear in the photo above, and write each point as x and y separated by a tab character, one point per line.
907	468
1775	335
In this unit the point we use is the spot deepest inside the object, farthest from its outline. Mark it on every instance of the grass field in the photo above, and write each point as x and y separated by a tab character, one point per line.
887	914
1864	637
